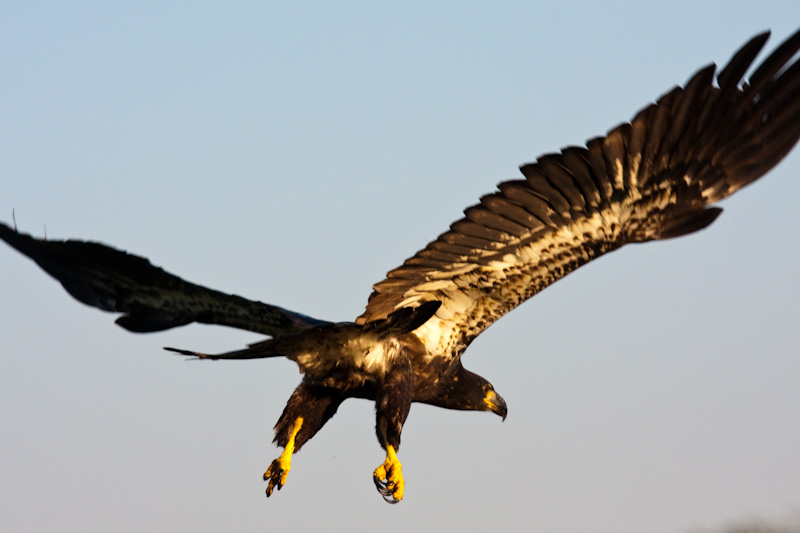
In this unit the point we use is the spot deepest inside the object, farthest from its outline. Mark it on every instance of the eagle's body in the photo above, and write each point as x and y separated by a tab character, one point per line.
654	178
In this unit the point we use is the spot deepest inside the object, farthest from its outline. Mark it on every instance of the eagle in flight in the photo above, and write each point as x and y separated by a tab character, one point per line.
656	177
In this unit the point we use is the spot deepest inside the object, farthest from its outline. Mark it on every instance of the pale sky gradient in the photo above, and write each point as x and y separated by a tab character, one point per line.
294	154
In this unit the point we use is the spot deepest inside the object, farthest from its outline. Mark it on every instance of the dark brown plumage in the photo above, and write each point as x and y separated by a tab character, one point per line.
654	178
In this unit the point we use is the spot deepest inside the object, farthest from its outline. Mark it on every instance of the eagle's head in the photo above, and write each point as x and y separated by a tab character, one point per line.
493	401
467	391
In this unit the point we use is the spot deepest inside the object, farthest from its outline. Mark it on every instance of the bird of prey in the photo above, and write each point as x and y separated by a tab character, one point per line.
656	177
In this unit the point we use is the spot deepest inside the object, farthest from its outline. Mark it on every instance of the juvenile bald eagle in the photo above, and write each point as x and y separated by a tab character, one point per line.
653	178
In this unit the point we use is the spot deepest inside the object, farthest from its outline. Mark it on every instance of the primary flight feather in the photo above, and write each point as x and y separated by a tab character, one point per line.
654	178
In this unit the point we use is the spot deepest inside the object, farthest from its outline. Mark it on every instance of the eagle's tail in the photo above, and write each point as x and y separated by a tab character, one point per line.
256	351
400	322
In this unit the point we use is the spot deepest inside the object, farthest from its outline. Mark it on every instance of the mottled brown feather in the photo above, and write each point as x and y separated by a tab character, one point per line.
648	179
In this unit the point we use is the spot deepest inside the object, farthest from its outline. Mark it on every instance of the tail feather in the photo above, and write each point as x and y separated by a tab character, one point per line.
246	353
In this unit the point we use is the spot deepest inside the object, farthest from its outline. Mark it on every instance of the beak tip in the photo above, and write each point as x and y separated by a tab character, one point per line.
496	404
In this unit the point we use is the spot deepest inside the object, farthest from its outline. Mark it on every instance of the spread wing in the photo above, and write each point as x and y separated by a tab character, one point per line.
150	298
653	178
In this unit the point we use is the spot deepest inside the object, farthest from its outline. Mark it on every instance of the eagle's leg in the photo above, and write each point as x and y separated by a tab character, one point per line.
279	469
388	477
306	412
392	404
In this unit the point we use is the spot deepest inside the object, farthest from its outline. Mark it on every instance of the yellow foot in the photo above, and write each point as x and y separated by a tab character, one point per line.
278	471
389	477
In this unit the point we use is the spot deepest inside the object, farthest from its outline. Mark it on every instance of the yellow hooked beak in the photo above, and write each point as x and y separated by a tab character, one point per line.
495	403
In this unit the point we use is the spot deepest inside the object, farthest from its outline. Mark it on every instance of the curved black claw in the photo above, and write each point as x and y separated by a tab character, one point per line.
276	475
279	468
387	489
388	478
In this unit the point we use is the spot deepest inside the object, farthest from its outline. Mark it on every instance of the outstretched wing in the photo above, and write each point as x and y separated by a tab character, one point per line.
649	179
150	298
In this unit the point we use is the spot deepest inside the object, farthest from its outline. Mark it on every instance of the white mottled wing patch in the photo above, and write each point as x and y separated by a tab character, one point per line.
652	178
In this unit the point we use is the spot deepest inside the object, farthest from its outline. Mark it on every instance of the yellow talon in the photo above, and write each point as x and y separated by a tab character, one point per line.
388	477
279	469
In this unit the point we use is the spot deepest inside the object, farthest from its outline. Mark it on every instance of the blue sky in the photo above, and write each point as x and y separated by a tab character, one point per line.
294	154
